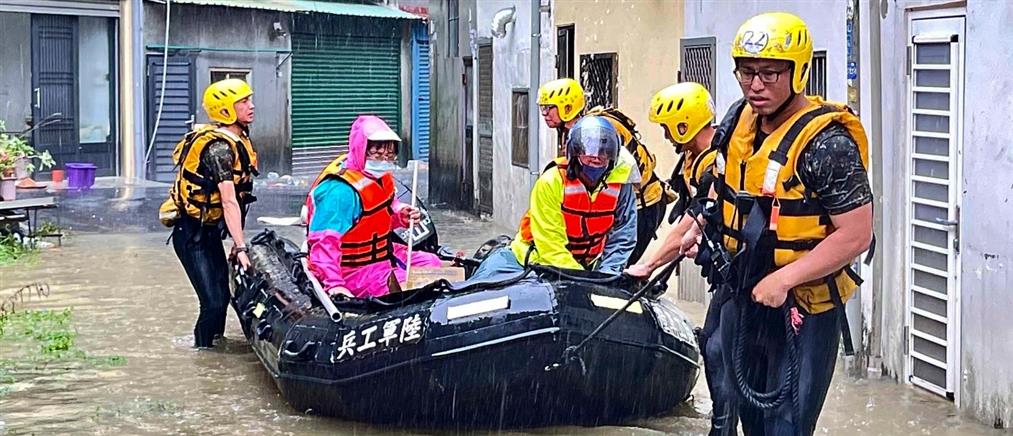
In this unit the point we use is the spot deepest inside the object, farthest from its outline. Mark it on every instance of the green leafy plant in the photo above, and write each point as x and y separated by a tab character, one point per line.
14	148
12	250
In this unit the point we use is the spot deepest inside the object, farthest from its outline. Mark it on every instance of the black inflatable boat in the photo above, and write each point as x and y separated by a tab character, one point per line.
483	356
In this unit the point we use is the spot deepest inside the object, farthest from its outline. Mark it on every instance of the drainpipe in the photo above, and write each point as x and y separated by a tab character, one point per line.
473	45
534	77
876	15
131	83
857	365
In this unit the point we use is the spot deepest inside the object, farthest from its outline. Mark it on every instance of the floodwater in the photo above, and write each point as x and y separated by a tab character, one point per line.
130	298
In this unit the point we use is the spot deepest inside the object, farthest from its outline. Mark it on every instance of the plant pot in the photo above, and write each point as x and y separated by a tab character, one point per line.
20	169
8	188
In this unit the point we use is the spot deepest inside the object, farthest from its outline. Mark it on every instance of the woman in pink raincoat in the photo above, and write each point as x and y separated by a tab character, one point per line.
351	211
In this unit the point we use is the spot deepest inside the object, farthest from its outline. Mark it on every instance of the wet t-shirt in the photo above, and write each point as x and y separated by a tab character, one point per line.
830	166
218	160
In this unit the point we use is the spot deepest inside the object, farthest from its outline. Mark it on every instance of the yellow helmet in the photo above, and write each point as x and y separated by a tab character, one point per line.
221	96
687	105
777	35
566	94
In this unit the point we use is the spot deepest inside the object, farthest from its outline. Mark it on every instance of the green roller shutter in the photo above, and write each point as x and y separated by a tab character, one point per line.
335	78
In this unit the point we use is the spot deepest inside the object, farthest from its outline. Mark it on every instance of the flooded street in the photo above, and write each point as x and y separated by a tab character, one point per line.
130	300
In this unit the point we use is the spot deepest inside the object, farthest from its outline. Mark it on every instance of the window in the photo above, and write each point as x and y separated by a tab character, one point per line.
453	29
519	156
818	75
697	61
95	91
598	77
564	53
223	73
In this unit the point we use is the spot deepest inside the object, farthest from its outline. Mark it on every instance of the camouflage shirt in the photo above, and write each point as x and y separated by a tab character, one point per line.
831	167
218	161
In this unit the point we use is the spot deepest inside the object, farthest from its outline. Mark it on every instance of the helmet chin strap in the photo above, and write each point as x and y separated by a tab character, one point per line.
777	112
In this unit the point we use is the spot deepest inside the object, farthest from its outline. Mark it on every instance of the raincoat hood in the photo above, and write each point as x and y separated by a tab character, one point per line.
364	128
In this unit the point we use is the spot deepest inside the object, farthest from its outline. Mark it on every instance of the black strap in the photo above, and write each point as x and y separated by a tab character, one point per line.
588	213
780	155
835	296
379	250
789	207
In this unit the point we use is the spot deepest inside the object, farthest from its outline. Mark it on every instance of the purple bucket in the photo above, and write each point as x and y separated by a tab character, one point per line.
80	175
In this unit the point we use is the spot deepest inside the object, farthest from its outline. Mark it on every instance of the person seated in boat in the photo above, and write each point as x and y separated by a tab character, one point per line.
582	213
351	210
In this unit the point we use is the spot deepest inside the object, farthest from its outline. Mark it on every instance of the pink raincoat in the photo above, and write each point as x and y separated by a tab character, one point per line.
333	207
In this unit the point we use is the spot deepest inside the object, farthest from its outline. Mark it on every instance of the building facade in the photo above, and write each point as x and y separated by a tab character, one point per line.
313	66
59	75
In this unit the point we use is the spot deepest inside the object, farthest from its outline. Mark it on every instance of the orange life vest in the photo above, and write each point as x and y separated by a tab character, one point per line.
587	221
368	241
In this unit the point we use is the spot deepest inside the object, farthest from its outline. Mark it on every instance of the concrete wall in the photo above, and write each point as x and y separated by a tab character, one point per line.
446	114
511	55
243	29
985	382
826	21
644	69
987	261
15	69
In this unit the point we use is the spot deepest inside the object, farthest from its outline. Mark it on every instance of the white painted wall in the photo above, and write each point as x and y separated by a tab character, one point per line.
721	19
511	66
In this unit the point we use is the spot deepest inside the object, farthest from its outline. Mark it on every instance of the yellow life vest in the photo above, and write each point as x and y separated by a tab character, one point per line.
688	179
194	191
770	176
651	189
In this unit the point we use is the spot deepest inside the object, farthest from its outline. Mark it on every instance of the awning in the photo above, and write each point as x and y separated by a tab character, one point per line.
95	8
333	8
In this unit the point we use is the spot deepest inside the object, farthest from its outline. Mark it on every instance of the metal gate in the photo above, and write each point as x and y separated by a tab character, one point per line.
485	128
598	76
935	124
54	85
177	111
341	67
420	92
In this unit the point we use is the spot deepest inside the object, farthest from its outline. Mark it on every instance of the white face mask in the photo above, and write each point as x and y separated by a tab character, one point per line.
377	168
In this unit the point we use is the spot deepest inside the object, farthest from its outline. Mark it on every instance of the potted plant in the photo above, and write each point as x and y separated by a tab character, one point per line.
15	151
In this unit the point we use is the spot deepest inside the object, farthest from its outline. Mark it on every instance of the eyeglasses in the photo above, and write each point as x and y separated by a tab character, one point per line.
767	77
381	154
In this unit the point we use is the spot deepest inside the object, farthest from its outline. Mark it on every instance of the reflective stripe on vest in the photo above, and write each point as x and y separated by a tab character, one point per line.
368	241
587	221
756	179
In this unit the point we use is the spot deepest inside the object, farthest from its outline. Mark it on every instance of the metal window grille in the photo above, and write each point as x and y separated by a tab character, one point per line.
598	77
519	129
564	55
697	61
818	75
218	74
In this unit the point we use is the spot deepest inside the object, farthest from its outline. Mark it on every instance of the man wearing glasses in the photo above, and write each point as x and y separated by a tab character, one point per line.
793	209
351	211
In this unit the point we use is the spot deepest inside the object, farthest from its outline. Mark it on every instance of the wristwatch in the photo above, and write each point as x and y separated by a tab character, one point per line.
241	248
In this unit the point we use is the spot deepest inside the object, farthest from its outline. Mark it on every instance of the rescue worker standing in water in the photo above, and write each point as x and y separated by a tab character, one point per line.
685	112
213	188
562	104
793	209
582	212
